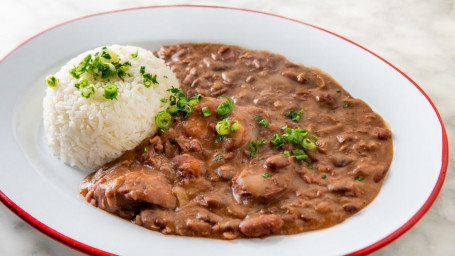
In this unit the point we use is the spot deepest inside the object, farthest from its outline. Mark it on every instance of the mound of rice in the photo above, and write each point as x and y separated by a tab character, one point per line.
88	133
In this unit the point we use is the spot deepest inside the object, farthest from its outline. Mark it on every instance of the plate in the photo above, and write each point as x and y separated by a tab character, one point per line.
44	192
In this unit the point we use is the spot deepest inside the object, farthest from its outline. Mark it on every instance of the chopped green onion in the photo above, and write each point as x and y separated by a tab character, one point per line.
52	81
225	108
287	153
146	149
172	110
206	111
172	140
77	71
163	100
266	175
254	146
315	138
218	158
110	92
165	77
235	126
223	127
277	141
308	144
294	115
359	178
83	82
309	166
261	121
301	157
219	138
324	177
134	55
163	120
346	105
149	79
88	91
294	135
299	154
338	91
195	99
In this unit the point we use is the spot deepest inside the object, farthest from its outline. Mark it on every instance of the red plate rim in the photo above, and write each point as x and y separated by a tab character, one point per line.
52	233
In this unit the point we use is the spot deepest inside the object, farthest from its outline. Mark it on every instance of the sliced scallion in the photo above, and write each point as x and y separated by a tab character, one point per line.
110	92
225	108
52	81
163	120
206	111
223	127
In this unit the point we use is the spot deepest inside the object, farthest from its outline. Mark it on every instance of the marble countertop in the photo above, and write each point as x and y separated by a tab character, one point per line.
416	36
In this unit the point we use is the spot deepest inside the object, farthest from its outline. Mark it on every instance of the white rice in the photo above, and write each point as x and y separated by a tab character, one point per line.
88	133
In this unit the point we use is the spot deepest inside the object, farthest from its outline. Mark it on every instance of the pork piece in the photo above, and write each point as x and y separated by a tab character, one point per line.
251	185
123	188
260	225
188	166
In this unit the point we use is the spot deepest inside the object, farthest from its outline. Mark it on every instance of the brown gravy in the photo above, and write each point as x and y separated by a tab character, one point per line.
177	183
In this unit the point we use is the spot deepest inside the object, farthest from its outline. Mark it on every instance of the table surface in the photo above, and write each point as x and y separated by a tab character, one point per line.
416	36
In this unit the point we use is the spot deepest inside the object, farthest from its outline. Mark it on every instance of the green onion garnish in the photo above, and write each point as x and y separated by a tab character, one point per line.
346	105
83	82
254	146
163	120
266	175
287	153
163	100
88	91
359	178
261	121
52	81
218	158
235	126
225	108
172	140
309	166
77	71
149	79
308	144
294	115
146	149
277	141
324	177
206	111
134	55
299	154
223	127
110	92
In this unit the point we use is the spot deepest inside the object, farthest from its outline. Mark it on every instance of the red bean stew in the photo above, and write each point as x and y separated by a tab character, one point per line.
251	146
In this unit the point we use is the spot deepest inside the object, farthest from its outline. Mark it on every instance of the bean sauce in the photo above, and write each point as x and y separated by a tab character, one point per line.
190	181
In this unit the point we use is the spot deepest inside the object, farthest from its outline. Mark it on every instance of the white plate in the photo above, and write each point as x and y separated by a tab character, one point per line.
44	192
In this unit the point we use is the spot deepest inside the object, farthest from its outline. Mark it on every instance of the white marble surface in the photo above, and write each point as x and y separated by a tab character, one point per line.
417	36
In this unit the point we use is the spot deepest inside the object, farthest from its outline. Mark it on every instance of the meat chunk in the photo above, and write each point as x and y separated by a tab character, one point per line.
254	185
121	188
260	225
188	166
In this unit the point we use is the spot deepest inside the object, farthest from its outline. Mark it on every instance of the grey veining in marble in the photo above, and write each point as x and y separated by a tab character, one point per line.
416	36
